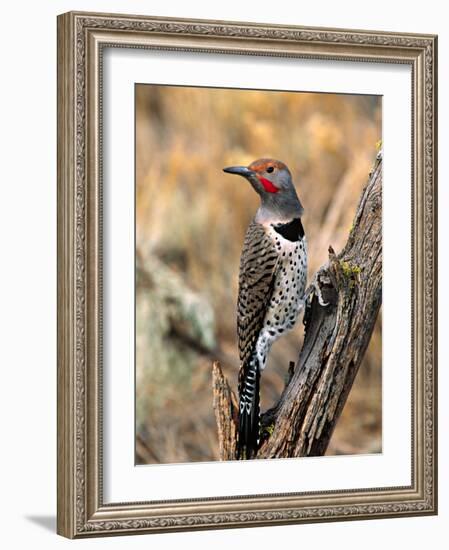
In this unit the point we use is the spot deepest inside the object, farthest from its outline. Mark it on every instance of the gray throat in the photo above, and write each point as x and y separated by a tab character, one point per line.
282	206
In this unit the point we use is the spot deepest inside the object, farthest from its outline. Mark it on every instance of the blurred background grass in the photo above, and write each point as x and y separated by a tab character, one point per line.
191	221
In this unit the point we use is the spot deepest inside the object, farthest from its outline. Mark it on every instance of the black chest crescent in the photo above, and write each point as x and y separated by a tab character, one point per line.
292	231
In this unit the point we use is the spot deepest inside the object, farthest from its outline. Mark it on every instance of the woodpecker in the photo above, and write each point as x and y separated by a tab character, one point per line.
272	281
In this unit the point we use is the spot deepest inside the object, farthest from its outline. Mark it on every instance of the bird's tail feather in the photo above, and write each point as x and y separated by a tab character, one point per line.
249	411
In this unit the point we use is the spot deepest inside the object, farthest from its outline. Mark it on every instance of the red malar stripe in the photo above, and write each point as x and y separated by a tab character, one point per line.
268	186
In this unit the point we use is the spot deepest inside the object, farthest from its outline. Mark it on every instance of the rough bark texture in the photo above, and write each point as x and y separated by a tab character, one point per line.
336	338
226	413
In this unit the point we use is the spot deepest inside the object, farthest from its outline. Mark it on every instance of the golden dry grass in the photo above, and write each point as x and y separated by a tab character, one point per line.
192	217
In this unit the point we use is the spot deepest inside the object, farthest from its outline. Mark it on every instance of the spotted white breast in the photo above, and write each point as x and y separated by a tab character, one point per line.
286	300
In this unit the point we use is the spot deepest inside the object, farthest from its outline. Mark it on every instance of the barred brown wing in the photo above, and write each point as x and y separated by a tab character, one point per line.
258	268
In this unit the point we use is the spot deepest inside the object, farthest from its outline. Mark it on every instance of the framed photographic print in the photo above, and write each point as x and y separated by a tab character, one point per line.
246	274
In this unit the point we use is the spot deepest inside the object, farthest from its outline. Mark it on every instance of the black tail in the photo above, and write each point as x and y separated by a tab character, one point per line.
249	411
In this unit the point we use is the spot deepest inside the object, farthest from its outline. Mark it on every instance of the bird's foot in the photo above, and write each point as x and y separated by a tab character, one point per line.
320	296
315	287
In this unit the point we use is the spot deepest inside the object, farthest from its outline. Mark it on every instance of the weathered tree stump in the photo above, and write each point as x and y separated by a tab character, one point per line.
335	341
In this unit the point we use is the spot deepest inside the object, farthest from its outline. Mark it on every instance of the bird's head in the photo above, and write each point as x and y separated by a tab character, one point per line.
265	175
272	180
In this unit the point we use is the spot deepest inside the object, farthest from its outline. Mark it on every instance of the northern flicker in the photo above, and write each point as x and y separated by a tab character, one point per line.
272	280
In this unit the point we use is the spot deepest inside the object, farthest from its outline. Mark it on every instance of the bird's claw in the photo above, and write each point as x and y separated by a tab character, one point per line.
320	297
315	287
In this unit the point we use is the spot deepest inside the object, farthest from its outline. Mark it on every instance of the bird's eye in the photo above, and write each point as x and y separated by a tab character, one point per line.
270	169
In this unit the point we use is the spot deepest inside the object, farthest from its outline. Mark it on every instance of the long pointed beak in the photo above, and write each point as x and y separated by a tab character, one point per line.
239	170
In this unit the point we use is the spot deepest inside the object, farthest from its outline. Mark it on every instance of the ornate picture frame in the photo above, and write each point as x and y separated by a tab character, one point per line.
82	39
